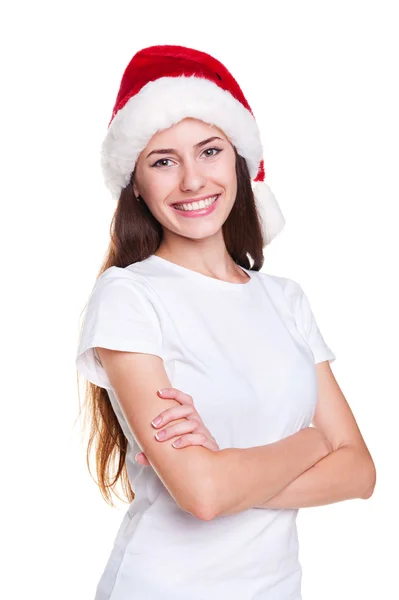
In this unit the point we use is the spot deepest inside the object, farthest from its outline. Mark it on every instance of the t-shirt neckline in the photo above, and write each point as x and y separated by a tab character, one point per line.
196	274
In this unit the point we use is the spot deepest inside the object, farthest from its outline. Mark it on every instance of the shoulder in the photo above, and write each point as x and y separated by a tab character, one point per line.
117	273
121	278
287	289
120	289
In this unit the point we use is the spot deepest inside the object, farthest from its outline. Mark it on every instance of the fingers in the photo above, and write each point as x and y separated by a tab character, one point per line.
167	433
174	413
142	459
195	439
176	394
192	431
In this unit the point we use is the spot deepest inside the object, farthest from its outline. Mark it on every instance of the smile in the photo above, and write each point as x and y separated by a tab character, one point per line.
197	208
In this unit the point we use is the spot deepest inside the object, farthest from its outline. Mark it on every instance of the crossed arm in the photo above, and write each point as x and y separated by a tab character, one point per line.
317	465
343	474
322	476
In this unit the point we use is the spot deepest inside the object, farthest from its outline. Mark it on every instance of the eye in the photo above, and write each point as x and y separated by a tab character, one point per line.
217	151
159	161
165	160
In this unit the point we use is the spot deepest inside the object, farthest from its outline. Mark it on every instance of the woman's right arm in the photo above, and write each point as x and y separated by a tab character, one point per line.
186	473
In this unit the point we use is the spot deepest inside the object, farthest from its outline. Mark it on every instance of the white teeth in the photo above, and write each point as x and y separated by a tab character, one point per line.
197	205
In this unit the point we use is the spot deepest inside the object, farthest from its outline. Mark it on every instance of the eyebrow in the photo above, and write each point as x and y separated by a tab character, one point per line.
173	151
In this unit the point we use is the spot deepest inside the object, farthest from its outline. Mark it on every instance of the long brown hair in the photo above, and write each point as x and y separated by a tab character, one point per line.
135	235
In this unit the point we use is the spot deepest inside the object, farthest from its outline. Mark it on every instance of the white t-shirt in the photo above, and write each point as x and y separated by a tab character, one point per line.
246	354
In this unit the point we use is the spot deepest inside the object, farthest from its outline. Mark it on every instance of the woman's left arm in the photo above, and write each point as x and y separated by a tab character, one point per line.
346	473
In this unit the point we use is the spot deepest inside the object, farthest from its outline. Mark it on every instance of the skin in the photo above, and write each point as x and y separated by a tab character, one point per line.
193	430
192	172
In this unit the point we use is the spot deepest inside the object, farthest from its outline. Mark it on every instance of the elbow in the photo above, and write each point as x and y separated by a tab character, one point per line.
217	499
199	499
200	507
205	513
370	482
365	472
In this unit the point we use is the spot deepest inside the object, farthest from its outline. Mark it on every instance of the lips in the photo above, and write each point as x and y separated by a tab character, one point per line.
198	212
191	201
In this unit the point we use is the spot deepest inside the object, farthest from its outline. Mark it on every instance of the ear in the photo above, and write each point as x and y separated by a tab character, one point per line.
135	190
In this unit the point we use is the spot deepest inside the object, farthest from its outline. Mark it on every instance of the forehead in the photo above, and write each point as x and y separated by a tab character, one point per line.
186	131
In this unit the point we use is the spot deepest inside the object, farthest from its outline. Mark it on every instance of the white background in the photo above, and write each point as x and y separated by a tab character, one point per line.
321	78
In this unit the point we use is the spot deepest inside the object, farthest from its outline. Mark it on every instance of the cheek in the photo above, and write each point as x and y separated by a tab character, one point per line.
157	188
224	170
227	178
157	194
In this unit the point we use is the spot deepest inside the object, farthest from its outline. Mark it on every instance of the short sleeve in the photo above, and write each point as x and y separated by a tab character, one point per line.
308	327
120	316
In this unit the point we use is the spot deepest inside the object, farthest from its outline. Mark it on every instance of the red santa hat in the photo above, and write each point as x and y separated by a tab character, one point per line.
163	85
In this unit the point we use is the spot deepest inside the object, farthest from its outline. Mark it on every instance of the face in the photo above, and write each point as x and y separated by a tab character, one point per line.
181	165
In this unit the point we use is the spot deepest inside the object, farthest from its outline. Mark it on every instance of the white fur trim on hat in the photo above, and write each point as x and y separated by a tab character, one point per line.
270	214
164	102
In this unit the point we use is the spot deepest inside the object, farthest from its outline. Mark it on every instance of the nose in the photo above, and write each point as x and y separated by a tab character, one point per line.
192	178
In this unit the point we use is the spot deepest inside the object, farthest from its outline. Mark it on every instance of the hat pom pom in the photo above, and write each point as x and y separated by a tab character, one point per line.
270	214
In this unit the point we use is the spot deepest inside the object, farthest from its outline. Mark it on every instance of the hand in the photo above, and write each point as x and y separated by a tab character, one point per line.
193	430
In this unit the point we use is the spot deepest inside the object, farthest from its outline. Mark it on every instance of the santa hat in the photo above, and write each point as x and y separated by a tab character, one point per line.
163	85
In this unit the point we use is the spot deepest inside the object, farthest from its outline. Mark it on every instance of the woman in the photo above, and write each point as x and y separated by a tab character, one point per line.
178	303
